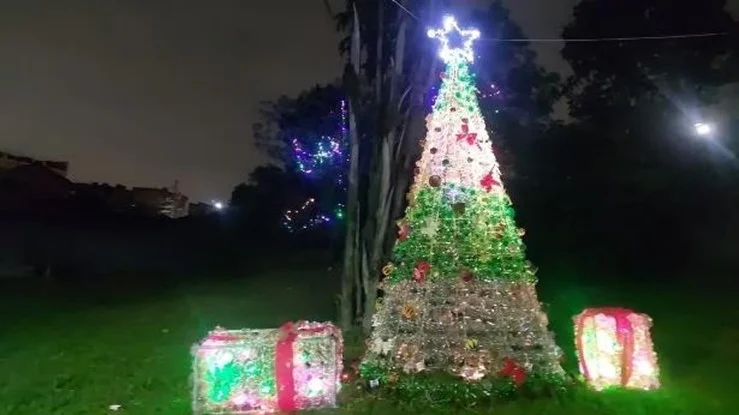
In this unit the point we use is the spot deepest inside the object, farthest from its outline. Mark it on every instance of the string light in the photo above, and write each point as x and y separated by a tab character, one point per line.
327	150
492	92
317	159
304	218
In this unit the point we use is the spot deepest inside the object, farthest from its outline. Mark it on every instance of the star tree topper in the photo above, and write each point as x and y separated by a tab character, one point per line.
448	52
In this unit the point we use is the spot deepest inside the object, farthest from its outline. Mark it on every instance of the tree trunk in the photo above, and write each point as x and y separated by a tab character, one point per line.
396	114
351	268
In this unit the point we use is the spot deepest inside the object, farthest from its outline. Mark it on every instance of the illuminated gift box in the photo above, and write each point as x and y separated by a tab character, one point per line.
615	348
295	367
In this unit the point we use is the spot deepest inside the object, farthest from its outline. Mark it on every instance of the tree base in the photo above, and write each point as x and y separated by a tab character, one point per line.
473	329
442	389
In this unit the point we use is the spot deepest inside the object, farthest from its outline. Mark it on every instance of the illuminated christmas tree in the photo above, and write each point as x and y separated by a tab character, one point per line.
459	295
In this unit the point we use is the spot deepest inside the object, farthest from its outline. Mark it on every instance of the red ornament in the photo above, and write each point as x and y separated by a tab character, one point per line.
513	370
467	276
466	135
421	271
403	231
488	182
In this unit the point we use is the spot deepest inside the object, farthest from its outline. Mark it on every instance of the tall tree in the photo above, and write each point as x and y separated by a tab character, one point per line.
640	92
623	75
386	80
637	100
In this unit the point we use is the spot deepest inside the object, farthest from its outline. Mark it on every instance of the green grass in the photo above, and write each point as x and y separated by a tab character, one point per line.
64	354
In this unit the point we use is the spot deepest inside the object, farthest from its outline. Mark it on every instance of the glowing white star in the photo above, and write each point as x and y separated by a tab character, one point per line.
448	53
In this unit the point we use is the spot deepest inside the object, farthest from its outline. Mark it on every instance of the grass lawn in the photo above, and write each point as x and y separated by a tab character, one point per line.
79	354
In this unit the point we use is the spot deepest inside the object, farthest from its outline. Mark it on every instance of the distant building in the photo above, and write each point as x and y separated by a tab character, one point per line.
10	161
32	187
27	183
160	201
116	199
149	201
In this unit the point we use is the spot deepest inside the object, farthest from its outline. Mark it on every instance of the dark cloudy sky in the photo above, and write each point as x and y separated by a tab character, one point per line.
143	92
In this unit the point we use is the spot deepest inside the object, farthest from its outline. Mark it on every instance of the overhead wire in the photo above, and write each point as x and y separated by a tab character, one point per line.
582	40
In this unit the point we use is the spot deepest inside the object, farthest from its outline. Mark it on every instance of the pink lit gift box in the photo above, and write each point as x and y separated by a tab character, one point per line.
295	367
614	348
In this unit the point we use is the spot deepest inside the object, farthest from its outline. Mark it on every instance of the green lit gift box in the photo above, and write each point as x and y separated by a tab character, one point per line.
295	367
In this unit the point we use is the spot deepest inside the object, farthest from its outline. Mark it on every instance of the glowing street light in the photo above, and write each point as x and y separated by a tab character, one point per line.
218	205
703	129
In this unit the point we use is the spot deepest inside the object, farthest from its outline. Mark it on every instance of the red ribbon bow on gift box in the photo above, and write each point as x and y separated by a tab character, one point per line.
284	355
624	333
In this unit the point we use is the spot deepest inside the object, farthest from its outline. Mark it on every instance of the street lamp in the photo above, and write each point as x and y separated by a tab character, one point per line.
703	129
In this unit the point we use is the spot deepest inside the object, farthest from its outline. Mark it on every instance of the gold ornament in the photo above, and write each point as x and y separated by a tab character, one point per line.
499	229
521	231
387	269
409	312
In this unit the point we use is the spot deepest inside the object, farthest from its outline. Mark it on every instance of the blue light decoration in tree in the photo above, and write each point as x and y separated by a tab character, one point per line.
322	160
327	151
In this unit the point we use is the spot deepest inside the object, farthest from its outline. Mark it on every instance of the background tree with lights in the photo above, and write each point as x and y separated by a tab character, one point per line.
459	294
308	136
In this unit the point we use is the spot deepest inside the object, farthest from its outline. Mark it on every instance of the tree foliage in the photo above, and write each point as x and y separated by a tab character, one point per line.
310	115
265	195
629	166
517	94
610	77
300	133
643	97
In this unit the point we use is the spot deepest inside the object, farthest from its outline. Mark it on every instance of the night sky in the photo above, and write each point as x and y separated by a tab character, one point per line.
144	92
